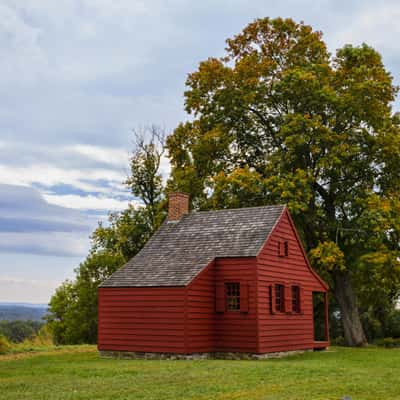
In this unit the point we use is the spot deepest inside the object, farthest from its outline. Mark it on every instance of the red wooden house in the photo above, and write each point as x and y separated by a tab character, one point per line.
233	280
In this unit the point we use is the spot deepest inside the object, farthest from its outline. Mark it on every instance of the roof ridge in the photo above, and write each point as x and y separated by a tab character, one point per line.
179	250
238	208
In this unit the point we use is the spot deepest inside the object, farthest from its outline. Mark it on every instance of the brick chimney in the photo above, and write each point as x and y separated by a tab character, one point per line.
178	206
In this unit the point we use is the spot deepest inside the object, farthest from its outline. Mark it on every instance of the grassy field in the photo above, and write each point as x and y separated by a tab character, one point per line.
78	373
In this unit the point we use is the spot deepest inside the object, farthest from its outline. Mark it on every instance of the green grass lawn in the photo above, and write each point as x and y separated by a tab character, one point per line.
78	373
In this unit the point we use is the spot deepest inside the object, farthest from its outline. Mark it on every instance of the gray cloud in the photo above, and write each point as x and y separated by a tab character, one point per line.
88	71
28	224
23	202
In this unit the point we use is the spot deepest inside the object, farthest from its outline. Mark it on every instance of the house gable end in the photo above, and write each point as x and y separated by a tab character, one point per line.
295	264
285	282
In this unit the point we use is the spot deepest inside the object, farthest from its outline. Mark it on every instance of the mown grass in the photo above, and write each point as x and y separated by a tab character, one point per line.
79	373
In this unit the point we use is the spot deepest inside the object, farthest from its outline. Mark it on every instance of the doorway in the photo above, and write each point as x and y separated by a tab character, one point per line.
320	317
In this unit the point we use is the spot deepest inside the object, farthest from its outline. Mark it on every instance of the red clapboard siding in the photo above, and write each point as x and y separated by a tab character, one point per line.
282	331
195	319
236	330
209	330
201	311
142	319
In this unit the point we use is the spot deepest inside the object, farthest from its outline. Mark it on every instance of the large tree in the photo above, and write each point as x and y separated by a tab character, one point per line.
279	119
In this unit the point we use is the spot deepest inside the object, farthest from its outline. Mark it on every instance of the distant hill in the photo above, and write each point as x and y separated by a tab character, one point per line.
22	311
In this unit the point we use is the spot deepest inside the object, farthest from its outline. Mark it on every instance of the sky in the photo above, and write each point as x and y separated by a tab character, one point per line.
76	76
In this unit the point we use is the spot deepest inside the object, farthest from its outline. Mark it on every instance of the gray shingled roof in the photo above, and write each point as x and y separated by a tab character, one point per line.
178	251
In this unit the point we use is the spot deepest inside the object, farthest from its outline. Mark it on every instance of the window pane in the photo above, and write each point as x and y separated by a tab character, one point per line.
286	246
279	298
296	299
283	248
232	296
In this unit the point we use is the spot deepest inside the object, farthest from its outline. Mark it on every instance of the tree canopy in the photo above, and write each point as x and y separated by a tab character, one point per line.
280	120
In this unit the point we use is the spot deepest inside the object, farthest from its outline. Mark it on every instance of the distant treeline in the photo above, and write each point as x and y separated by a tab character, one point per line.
18	331
16	312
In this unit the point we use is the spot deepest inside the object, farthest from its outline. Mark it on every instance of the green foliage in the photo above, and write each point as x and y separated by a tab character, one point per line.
381	323
41	341
280	120
241	187
388	342
72	314
337	341
4	345
373	326
393	324
44	337
126	233
59	310
78	373
18	331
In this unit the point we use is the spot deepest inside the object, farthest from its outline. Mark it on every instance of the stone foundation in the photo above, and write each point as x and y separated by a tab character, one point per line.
132	355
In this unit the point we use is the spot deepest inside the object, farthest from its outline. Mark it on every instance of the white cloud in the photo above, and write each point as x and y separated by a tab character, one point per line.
376	24
87	202
103	188
118	157
165	167
50	175
19	43
51	243
100	176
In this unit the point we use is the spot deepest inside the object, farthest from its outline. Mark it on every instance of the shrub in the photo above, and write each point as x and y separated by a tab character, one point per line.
388	342
393	324
372	326
18	331
43	340
338	341
44	337
5	346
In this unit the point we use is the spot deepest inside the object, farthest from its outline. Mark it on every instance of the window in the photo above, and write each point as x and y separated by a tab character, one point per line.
279	298
296	299
283	248
232	291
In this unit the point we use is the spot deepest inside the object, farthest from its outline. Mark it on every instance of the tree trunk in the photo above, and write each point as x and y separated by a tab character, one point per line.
345	296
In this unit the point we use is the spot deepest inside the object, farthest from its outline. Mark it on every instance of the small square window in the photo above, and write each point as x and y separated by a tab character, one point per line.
296	299
232	291
279	298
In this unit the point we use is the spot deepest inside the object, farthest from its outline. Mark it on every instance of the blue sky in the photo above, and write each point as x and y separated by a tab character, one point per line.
77	75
